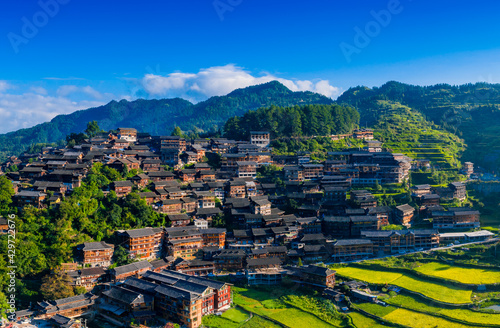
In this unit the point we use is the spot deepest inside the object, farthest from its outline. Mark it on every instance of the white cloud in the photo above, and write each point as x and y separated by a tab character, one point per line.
39	90
66	90
221	80
4	85
28	109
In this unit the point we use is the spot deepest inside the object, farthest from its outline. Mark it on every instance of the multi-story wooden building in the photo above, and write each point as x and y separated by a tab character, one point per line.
236	188
184	242
312	275
122	188
186	299
261	139
33	198
456	218
230	259
97	253
404	214
143	243
87	278
351	249
128	134
136	269
70	307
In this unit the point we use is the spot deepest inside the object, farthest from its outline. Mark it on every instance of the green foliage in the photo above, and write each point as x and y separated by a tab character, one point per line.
177	132
56	285
121	257
93	129
309	120
75	139
6	193
393	227
270	174
470	111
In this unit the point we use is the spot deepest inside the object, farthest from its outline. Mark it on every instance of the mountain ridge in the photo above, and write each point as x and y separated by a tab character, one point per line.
159	116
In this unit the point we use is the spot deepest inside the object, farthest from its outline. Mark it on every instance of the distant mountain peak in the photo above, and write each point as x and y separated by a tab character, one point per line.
273	86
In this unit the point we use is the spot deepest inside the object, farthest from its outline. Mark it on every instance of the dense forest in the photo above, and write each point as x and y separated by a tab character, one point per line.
471	111
296	121
159	116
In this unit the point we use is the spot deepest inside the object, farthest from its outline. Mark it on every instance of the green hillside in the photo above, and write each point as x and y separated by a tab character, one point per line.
472	111
407	131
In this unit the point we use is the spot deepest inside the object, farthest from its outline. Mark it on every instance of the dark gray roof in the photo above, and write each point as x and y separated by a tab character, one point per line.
316	270
269	249
263	262
126	296
140	285
348	242
126	183
98	245
140	232
363	218
405	208
178	217
131	267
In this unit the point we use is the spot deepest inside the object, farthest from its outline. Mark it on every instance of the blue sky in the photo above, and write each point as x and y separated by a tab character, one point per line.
58	56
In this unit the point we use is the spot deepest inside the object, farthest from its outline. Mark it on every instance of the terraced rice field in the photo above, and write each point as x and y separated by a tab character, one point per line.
269	305
237	318
460	314
362	321
419	320
435	291
463	275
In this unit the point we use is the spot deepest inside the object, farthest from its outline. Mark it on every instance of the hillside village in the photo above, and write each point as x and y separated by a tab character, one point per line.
232	207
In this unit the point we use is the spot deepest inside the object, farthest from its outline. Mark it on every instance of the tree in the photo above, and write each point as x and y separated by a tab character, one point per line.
300	262
6	193
75	139
92	129
56	285
121	256
177	132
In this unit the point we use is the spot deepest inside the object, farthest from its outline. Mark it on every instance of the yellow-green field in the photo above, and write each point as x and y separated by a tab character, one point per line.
463	275
371	276
419	320
461	314
435	291
269	305
362	321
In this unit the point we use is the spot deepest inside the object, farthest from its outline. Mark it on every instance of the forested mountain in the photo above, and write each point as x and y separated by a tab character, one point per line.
296	121
159	116
472	111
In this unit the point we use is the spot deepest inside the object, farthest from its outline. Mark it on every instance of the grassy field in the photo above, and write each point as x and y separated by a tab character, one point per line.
461	314
278	305
371	276
237	318
236	315
419	320
258	322
463	275
435	291
362	321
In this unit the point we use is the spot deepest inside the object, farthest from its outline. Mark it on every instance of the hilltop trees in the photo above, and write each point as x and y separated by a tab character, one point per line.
92	129
309	120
